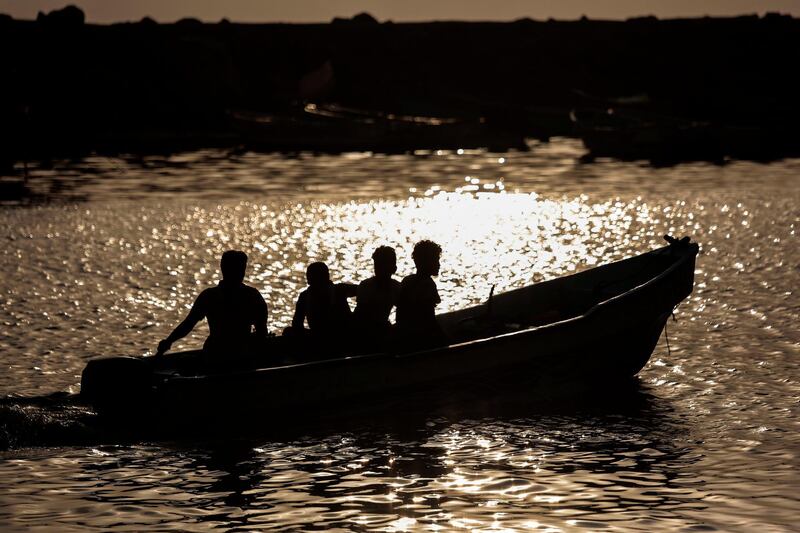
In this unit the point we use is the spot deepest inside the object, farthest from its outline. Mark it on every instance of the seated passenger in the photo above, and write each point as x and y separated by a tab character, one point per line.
233	311
417	327
323	305
375	298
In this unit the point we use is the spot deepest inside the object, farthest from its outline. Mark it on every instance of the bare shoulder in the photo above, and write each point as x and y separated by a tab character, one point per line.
408	280
253	292
204	300
369	282
251	289
207	293
425	283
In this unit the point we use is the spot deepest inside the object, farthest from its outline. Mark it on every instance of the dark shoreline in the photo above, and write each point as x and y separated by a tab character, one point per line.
78	88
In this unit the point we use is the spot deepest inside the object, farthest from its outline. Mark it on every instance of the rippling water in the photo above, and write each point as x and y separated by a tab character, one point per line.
104	256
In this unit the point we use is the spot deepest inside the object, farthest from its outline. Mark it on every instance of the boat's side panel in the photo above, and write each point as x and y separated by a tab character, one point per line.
564	297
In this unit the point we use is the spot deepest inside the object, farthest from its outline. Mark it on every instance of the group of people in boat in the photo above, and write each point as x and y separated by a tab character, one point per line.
237	313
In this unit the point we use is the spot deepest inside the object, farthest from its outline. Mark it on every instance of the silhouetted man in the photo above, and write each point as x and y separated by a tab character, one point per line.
233	311
417	327
323	305
375	298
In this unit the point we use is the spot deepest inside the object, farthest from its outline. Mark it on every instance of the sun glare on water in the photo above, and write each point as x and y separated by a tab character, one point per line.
501	238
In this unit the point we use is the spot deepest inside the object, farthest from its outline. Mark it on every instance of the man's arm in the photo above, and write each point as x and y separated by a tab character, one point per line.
298	320
348	290
196	314
432	293
262	313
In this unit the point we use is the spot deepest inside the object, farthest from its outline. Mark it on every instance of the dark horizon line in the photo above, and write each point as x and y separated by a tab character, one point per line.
431	21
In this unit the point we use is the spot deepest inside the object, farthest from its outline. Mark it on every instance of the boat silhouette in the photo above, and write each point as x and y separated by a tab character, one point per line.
600	325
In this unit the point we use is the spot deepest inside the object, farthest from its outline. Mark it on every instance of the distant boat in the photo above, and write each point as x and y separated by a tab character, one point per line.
335	128
629	135
599	325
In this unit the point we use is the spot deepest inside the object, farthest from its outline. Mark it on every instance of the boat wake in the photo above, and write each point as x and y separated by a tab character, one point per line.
56	419
63	419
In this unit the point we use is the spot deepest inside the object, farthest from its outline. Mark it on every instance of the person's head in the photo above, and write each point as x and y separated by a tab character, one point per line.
426	256
233	265
385	261
317	274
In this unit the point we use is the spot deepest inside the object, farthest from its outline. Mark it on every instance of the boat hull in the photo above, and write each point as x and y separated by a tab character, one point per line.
612	340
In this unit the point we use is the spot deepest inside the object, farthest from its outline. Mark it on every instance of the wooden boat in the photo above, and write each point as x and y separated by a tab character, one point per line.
599	324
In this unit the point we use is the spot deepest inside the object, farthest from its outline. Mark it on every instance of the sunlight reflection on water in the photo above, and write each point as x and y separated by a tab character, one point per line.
144	264
708	440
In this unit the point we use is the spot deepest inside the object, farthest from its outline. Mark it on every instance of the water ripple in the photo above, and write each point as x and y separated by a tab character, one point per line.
708	440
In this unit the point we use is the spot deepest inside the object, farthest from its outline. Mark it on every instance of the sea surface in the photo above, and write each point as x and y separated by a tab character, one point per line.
103	256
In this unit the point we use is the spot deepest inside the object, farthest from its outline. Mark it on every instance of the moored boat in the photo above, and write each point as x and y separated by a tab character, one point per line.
331	128
599	325
627	135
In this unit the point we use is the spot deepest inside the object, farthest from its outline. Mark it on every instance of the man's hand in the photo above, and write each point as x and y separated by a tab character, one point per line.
163	346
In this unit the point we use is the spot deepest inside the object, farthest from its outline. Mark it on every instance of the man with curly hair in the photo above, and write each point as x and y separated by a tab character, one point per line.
417	327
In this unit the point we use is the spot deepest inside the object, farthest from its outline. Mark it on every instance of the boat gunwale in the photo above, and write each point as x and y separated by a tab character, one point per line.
688	251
